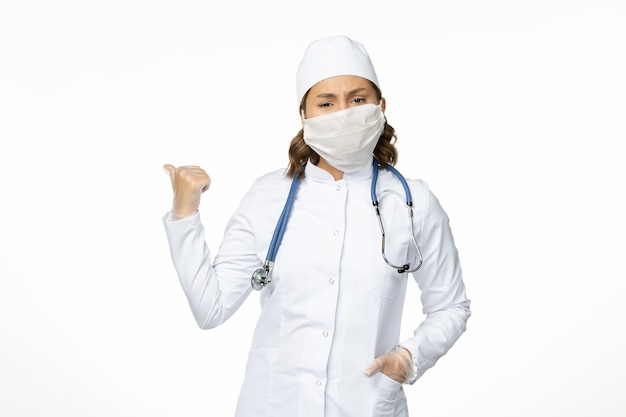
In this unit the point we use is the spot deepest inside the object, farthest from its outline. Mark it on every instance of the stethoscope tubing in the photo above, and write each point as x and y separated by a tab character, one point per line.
277	238
262	276
409	203
405	185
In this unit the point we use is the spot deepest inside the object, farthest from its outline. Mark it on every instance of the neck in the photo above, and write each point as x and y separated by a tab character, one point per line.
337	175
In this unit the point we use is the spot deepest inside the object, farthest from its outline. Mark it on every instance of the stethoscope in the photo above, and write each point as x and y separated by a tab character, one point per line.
261	277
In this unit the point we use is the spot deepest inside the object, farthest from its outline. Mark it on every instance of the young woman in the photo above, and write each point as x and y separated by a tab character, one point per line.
327	342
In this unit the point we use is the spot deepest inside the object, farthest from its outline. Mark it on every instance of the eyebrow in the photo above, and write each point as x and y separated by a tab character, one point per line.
350	93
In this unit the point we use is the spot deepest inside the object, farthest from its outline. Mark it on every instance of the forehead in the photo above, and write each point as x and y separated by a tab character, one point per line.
341	84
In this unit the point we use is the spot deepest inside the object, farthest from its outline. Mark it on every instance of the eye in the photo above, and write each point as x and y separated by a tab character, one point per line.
359	100
325	105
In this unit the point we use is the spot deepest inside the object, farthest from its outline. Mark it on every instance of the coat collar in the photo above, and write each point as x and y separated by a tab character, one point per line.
317	174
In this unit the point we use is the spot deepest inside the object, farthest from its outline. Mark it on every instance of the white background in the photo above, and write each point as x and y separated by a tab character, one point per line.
513	111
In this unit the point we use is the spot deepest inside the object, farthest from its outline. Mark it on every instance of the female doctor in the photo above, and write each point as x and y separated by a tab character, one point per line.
332	274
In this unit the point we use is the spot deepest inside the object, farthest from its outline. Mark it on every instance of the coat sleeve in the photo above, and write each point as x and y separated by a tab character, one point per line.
443	297
214	290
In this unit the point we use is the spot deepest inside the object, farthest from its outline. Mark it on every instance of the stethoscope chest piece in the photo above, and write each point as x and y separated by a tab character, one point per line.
261	277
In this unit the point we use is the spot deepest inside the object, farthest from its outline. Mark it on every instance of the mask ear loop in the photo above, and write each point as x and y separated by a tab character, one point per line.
302	114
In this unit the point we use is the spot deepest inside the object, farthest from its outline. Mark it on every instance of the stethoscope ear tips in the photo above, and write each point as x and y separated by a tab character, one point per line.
404	268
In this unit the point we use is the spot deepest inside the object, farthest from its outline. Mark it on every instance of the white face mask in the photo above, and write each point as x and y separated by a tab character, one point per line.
347	138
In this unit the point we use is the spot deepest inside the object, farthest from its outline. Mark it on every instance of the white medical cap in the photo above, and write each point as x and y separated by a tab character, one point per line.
330	57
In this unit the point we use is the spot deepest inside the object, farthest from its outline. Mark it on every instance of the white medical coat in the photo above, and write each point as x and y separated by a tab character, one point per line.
333	304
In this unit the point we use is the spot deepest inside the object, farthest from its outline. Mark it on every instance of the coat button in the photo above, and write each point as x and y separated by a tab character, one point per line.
335	233
325	334
339	188
331	281
318	383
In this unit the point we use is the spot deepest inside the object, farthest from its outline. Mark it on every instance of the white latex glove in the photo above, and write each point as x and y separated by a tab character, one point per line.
188	184
397	365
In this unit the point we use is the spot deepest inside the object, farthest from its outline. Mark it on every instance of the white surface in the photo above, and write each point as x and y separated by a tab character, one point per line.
513	111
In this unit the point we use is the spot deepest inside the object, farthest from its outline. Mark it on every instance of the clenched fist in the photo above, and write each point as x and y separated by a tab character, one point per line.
188	184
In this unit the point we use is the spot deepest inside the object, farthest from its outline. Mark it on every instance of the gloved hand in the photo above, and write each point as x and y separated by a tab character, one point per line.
188	184
397	365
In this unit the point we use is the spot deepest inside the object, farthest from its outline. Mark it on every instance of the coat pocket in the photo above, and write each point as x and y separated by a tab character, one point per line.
386	397
385	280
385	284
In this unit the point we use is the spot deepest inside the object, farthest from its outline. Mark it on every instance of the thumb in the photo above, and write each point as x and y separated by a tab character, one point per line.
374	367
169	169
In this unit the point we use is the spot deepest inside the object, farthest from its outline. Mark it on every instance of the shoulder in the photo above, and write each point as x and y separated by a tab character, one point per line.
268	186
419	188
263	197
272	180
424	200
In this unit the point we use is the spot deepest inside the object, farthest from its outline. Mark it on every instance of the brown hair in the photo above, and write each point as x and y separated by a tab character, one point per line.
300	153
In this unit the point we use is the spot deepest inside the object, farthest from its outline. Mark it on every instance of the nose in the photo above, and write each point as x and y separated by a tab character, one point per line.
341	105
